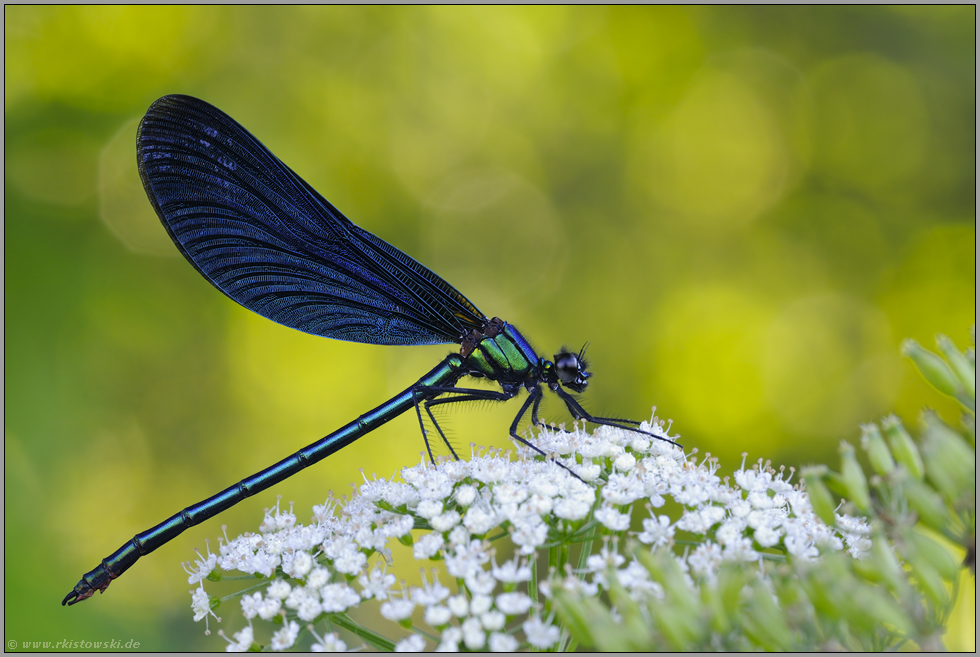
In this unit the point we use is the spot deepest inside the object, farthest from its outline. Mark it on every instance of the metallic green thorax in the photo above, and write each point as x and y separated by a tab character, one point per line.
504	356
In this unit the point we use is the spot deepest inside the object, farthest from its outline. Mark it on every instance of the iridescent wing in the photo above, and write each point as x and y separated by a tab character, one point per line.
260	234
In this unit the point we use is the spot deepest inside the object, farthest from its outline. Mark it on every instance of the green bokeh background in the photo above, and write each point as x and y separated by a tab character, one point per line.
745	210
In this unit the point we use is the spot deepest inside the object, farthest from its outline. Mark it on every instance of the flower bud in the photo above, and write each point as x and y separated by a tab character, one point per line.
936	554
680	611
713	599
826	586
903	448
933	368
871	610
927	503
853	477
878	453
764	622
928	578
964	371
883	556
950	464
820	499
631	618
791	595
732	578
679	628
868	570
580	615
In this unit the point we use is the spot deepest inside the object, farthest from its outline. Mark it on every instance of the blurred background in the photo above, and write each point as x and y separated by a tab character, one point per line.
742	210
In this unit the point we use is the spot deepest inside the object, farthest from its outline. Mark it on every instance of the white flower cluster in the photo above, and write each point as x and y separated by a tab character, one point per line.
323	568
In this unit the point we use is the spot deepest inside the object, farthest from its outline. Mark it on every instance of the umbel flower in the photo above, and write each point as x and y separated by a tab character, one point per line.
646	548
488	521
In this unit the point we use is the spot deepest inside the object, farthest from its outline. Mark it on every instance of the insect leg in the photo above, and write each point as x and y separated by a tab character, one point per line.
580	413
428	394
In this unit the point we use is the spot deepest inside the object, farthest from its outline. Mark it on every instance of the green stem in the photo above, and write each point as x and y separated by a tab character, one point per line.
372	638
238	594
532	584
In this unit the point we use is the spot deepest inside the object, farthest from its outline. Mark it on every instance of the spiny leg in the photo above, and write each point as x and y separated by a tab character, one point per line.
442	435
534	398
435	402
475	394
461	395
541	423
580	413
534	413
415	399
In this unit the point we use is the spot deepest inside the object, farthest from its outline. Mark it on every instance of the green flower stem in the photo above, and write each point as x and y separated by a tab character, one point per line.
372	638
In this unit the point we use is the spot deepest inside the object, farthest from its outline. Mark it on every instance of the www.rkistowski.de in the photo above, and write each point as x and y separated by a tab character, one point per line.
113	644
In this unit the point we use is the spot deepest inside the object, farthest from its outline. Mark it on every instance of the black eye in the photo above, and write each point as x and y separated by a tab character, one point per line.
571	371
567	366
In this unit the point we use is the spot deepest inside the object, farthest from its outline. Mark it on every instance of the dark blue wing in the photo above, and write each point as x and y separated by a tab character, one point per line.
260	234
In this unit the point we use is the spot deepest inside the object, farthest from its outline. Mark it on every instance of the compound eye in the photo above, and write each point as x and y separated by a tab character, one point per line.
571	371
